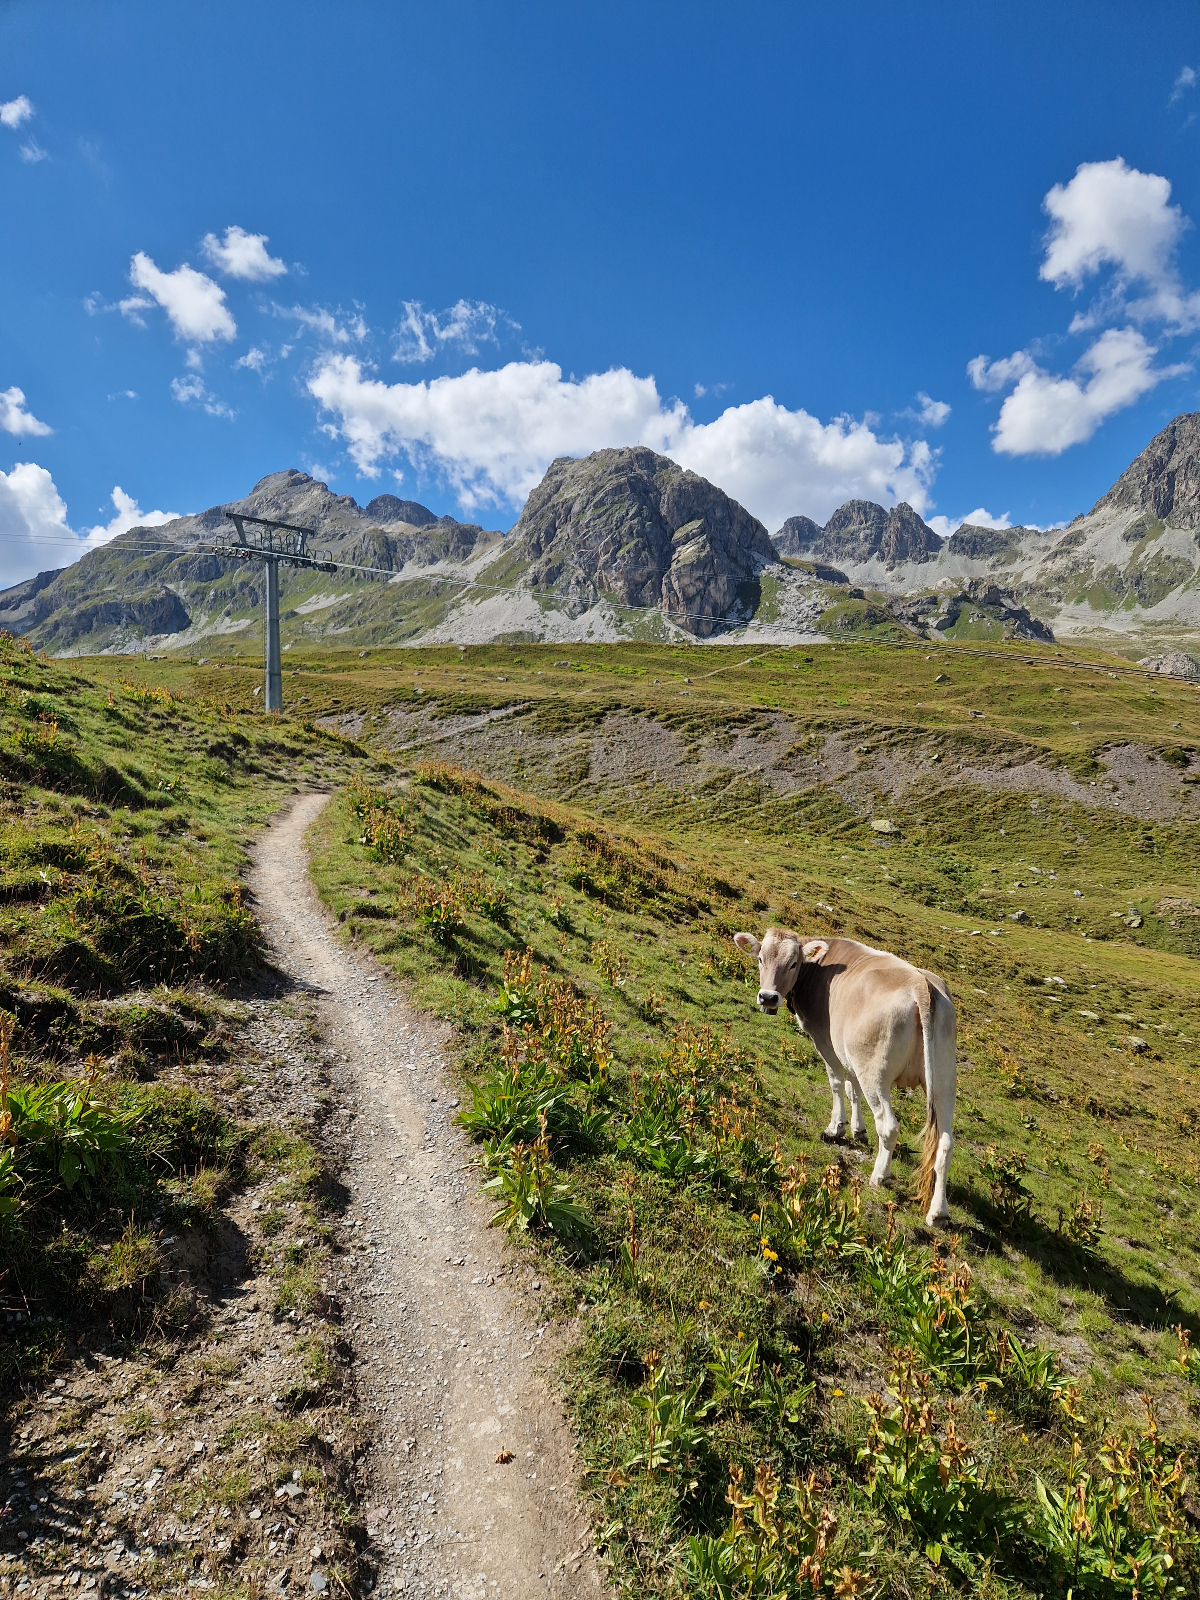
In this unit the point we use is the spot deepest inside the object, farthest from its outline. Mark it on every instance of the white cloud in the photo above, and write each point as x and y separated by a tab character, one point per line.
932	413
1045	415
1112	215
187	390
14	112
323	323
979	518
242	255
254	359
992	376
465	325
493	434
32	152
1185	81
194	304
34	532
15	419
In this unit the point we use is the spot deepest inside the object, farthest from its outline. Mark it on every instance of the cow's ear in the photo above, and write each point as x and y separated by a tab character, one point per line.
813	949
747	941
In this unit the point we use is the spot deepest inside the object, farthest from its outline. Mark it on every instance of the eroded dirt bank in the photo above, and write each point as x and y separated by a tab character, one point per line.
445	1327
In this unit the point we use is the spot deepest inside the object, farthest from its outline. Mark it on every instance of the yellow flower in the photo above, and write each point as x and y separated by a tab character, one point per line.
991	1416
824	1316
704	1305
754	1216
769	1255
839	1394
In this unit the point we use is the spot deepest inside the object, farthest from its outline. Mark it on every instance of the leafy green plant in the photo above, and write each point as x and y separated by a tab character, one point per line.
1082	1224
653	1140
733	1373
769	1548
385	834
530	1198
671	1410
815	1221
1005	1174
1122	1529
61	1135
932	1485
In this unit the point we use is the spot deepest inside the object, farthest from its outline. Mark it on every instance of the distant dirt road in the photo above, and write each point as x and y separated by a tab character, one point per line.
446	1334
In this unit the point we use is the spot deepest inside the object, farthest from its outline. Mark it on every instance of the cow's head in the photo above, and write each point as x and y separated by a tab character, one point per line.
781	954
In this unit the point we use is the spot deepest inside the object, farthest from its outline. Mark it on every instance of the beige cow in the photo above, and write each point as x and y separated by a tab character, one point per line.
878	1024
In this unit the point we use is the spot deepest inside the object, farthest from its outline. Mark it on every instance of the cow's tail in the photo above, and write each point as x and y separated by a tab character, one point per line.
926	1177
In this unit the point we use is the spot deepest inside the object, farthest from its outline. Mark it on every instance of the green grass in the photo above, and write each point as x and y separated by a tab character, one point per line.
1093	1079
734	1322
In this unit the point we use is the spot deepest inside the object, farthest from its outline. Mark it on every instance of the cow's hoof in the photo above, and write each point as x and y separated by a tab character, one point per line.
834	1135
939	1219
859	1136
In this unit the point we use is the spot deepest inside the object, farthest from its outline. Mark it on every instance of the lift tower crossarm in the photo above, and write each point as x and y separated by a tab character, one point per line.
276	542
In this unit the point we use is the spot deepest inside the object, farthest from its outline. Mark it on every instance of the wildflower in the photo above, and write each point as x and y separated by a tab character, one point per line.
768	1254
991	1416
703	1306
839	1394
824	1316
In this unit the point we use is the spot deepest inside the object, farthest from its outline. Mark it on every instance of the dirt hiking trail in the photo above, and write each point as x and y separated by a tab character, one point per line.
446	1328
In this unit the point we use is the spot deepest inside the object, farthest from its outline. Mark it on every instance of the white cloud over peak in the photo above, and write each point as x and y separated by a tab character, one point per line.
194	304
492	434
242	255
14	112
1045	415
979	518
1109	217
465	325
15	419
34	532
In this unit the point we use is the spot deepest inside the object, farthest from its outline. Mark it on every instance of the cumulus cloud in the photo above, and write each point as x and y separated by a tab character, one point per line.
979	518
14	112
1112	215
32	152
242	255
15	419
929	413
193	390
194	304
34	532
254	359
492	434
1109	218
1045	415
463	326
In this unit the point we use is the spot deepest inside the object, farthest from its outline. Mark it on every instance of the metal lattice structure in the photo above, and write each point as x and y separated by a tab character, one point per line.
272	543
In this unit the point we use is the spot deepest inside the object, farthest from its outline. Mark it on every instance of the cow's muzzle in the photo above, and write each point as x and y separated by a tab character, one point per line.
768	1001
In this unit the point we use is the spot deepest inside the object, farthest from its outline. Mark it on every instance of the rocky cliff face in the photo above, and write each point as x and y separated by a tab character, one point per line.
631	526
861	531
1165	479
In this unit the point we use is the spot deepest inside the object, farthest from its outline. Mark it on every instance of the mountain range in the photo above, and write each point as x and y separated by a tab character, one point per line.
626	543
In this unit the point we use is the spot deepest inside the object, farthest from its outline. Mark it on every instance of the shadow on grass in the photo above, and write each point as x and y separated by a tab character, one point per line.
1070	1265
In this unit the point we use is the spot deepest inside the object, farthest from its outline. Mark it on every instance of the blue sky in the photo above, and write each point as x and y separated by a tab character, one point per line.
941	253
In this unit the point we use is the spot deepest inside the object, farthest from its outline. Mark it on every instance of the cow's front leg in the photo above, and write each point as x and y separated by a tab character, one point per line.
837	1117
858	1127
887	1128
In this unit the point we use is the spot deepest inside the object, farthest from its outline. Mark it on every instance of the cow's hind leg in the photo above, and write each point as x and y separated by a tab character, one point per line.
858	1128
887	1129
939	1206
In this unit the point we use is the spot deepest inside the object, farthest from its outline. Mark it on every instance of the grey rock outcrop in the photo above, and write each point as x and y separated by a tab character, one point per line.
797	537
636	528
1165	479
1177	663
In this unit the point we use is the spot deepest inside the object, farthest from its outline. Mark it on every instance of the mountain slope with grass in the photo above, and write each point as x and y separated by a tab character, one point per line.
1124	574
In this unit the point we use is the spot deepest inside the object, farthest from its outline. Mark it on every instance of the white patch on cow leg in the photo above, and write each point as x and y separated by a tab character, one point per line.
939	1206
837	1117
887	1127
858	1126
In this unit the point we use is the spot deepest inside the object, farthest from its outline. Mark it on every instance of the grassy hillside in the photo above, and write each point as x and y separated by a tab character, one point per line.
773	1362
782	1383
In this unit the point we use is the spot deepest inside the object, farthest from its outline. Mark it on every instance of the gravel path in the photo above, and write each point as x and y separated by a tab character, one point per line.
445	1326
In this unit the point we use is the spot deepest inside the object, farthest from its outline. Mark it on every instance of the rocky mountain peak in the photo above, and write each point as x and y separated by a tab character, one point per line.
387	508
862	531
633	526
1165	479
